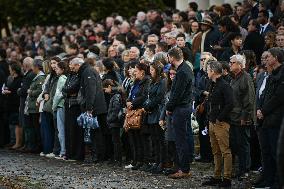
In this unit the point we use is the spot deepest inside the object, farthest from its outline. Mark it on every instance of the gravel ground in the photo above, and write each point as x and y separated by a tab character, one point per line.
32	171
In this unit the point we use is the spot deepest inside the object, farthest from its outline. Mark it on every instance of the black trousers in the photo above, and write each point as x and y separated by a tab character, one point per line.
116	141
56	147
74	135
158	140
135	140
126	146
102	141
4	129
204	140
255	152
33	136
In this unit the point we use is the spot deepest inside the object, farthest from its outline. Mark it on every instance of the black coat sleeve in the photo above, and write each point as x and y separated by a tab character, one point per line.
22	92
141	96
90	85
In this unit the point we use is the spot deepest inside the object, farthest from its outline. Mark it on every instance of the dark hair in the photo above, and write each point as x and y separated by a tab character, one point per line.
176	53
56	58
230	26
108	64
184	16
235	35
277	52
151	48
63	65
158	66
250	59
3	54
265	13
256	24
169	81
95	49
163	46
225	65
74	46
143	67
127	67
194	6
101	34
181	35
16	67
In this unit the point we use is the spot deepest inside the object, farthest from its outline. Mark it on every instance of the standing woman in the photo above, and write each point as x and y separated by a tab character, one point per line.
157	91
13	103
58	106
136	100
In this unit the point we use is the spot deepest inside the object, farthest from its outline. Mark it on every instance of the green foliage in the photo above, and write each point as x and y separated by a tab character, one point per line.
47	12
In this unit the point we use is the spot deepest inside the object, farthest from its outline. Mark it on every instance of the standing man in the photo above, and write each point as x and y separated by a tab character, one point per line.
179	106
242	115
272	113
23	93
221	103
93	102
265	26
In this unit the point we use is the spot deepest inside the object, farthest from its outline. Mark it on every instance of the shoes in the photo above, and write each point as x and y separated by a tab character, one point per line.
51	155
179	175
225	183
158	170
262	184
168	172
130	166
242	176
61	157
212	182
146	167
42	154
136	167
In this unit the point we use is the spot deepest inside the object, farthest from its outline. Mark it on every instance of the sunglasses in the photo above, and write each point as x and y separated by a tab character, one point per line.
172	74
231	63
202	59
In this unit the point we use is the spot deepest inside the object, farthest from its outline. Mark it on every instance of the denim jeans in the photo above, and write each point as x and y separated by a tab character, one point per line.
47	132
60	116
183	131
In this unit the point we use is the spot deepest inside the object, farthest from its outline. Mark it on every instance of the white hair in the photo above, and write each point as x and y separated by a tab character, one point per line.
241	59
77	61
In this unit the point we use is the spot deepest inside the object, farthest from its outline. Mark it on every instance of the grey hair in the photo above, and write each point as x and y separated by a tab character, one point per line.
241	59
215	66
77	61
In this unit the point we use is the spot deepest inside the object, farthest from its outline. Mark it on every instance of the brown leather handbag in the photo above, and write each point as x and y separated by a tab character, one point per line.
133	119
200	108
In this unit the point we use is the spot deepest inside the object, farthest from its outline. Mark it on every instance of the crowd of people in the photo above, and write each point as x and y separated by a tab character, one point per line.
142	80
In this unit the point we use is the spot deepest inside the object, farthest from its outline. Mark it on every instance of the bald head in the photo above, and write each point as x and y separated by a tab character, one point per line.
27	63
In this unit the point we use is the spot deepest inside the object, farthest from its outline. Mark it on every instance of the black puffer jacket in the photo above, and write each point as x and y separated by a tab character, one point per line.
115	105
91	89
273	104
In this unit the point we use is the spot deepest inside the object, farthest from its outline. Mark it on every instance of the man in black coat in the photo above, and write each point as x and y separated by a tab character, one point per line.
271	114
221	103
93	102
4	73
22	92
179	106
